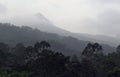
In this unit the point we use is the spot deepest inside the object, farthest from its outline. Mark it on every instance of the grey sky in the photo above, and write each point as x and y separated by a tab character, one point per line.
3	9
86	16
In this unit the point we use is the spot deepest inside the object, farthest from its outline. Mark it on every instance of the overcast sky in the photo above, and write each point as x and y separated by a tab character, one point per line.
81	16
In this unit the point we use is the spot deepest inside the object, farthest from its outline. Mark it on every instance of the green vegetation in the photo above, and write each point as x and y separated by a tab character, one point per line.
14	74
40	60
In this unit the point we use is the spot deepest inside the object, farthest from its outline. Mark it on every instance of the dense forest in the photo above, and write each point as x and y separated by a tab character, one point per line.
39	60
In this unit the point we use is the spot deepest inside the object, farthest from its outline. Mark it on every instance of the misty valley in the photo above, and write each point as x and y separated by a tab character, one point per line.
30	52
59	38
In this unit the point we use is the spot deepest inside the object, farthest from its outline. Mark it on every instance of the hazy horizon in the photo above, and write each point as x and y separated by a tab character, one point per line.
78	16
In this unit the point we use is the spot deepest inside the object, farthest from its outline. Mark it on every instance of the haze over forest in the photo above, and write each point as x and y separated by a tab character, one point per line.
59	38
89	18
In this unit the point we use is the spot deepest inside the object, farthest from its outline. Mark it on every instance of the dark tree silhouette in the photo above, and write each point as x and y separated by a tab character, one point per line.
118	49
92	49
44	44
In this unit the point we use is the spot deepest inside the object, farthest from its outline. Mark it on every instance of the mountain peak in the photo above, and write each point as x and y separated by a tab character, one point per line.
41	17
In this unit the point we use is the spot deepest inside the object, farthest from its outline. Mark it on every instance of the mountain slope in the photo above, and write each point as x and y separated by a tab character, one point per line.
12	35
40	22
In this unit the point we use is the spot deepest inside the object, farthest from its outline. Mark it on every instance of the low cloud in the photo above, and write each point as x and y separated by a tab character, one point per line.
3	9
107	22
106	1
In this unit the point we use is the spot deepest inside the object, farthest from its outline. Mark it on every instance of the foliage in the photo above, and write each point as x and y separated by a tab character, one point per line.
39	60
14	74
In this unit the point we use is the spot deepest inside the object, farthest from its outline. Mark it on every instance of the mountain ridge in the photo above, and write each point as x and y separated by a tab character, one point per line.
40	22
68	45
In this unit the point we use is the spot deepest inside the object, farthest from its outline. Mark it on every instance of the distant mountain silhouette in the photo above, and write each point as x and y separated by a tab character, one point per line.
40	22
12	35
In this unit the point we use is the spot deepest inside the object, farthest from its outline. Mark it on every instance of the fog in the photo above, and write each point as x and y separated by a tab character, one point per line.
79	16
3	9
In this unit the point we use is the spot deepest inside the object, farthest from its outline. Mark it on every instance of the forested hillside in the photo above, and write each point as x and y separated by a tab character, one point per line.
11	35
